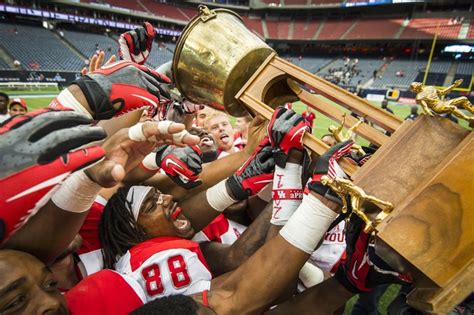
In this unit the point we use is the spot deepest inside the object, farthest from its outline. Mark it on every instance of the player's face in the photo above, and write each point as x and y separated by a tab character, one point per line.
241	124
27	286
208	147
161	216
3	103
222	131
201	116
16	110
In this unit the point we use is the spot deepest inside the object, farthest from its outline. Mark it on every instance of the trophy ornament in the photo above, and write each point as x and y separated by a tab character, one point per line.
340	136
430	100
357	196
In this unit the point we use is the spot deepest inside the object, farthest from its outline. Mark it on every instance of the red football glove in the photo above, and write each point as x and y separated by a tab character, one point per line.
285	130
34	159
136	45
255	174
122	87
182	165
327	165
363	269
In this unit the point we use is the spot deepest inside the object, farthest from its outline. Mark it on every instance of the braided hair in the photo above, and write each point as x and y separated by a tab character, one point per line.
118	229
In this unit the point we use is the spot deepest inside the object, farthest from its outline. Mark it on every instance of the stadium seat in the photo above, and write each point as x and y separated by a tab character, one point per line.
38	48
86	43
4	65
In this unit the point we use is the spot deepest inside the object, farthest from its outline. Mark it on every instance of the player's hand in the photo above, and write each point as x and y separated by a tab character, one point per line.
255	174
285	131
257	132
327	165
182	165
35	158
97	61
363	269
191	108
136	45
127	148
122	87
357	159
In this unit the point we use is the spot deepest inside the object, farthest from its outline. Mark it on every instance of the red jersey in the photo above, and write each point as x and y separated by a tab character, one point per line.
90	252
220	230
166	266
309	117
105	292
239	141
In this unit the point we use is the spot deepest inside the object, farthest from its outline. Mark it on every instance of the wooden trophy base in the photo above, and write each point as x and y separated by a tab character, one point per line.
426	170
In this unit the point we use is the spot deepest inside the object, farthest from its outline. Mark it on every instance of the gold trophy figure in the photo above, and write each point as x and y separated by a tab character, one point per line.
341	137
430	100
342	187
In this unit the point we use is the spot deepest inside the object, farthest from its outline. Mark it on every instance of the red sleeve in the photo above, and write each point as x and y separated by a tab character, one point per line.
90	229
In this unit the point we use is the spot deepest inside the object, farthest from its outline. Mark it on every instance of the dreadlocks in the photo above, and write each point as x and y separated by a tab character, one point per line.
118	230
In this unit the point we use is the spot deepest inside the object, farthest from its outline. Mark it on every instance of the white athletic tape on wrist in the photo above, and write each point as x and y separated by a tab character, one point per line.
135	133
311	275
149	162
77	193
218	197
66	99
308	224
287	192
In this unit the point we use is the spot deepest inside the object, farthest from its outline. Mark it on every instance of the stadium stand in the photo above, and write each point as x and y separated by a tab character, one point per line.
325	2
375	29
334	29
305	29
38	48
410	72
254	24
86	43
283	29
4	65
466	68
311	64
272	27
167	10
131	5
296	2
427	27
159	55
470	34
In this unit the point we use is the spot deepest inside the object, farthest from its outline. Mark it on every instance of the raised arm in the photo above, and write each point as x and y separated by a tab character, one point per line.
450	88
236	292
59	220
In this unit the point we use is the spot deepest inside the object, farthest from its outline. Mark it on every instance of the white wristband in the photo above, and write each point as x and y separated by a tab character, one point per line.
149	162
135	133
77	193
218	197
308	224
287	192
311	275
66	99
